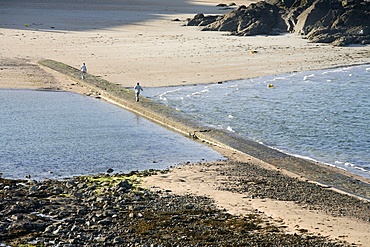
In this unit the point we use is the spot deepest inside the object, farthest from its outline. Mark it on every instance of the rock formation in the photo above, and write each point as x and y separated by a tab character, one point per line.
323	21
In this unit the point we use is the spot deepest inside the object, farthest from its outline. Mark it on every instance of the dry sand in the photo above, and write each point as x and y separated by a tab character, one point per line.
137	41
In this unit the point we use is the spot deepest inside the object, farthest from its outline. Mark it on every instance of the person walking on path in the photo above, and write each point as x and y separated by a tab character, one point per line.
83	71
138	88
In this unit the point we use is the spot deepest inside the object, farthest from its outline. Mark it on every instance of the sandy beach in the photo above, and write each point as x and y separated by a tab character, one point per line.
140	41
144	41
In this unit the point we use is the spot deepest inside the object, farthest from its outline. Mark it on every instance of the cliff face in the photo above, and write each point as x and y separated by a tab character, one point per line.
323	21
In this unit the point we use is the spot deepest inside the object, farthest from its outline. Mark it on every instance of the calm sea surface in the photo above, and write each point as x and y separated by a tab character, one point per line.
61	134
320	115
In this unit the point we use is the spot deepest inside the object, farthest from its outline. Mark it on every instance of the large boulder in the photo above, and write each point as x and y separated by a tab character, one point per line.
348	24
316	13
258	18
202	20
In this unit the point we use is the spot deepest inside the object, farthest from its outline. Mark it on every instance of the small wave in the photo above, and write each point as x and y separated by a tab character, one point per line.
352	167
305	157
333	71
210	85
230	129
338	162
280	78
305	78
198	93
234	87
162	95
355	167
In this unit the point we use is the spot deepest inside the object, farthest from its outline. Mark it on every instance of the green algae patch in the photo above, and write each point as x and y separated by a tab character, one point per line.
64	195
103	183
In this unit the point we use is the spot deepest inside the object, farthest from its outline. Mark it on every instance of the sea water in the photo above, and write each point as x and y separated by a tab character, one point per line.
60	134
320	115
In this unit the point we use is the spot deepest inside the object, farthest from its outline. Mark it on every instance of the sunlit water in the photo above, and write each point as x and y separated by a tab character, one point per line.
61	134
321	115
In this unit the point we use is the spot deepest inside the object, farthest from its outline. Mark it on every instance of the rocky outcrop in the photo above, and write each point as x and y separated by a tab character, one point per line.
337	22
323	21
258	18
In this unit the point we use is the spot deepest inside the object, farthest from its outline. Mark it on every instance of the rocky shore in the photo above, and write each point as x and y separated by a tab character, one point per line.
335	22
113	210
262	183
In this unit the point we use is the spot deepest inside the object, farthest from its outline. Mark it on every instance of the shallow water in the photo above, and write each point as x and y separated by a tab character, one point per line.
320	115
60	134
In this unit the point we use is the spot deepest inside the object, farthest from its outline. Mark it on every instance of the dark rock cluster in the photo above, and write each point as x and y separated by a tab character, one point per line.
258	18
261	183
111	210
338	22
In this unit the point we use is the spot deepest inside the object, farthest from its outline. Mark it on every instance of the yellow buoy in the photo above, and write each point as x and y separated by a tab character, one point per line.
270	85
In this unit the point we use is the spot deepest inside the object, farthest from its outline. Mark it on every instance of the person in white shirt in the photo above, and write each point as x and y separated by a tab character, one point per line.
83	71
138	88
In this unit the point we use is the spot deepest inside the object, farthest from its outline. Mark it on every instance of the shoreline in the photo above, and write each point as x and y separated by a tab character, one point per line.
231	146
187	126
235	202
72	83
136	42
